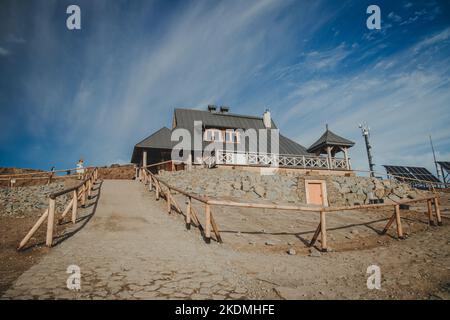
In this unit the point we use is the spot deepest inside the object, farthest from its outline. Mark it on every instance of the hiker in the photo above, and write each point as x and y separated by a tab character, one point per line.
80	169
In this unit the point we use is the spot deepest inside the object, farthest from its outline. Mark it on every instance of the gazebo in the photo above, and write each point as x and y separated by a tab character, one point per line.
330	144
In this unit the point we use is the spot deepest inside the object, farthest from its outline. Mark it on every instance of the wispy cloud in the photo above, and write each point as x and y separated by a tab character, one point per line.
392	95
3	52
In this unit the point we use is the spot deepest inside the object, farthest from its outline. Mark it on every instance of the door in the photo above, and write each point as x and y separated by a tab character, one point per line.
315	194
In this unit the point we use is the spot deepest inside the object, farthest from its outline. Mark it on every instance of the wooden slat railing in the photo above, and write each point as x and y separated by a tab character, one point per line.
80	192
49	175
157	183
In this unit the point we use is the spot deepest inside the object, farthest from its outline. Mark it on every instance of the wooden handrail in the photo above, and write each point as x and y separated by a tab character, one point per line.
60	193
263	205
323	210
41	172
79	192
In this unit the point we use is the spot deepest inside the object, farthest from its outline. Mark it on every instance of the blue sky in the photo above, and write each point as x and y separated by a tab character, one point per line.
95	92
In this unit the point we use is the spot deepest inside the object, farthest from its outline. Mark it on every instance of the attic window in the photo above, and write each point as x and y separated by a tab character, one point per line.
212	135
231	136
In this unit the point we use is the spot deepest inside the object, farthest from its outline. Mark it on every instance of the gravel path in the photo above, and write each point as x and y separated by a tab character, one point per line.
132	249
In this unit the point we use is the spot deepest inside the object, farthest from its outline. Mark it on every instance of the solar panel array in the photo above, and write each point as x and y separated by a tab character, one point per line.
407	173
445	165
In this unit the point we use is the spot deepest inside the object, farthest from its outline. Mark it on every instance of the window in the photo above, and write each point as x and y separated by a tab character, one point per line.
212	135
231	136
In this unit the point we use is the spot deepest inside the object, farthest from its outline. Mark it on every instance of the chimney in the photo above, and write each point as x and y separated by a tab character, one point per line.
267	119
212	108
224	109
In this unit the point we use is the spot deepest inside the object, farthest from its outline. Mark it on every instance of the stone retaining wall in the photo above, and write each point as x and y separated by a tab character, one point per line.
286	187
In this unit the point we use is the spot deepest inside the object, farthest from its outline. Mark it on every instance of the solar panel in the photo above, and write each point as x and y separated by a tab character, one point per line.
423	174
445	165
403	173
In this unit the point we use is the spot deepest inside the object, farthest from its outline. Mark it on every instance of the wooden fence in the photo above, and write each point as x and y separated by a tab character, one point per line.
164	190
80	192
49	176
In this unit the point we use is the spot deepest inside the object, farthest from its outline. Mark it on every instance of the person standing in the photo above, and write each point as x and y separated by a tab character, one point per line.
80	169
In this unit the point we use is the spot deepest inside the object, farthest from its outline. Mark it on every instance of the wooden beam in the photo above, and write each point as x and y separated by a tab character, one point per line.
207	223
398	222
33	230
188	213
157	190
74	207
323	231
197	220
438	211
388	225
430	213
316	235
50	222
83	196
215	229
169	206
66	210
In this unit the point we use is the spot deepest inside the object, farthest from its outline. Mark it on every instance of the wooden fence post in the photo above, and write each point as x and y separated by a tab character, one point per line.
188	213
438	211
89	186
207	223
323	231
169	206
430	213
157	189
83	196
150	183
50	222
74	206
398	222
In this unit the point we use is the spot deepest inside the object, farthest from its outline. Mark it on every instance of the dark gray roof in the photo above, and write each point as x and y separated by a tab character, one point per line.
158	140
329	138
185	118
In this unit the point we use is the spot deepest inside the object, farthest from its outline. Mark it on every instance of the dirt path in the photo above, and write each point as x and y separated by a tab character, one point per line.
132	249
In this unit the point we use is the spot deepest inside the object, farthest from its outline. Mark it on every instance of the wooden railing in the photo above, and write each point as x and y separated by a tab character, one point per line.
283	160
163	189
80	192
40	175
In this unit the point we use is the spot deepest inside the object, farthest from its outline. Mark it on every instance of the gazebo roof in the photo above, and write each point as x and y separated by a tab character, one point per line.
330	139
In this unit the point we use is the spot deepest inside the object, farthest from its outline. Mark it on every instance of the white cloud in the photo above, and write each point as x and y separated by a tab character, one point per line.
402	103
394	17
4	52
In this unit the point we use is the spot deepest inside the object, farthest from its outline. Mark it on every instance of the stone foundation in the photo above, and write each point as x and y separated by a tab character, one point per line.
286	186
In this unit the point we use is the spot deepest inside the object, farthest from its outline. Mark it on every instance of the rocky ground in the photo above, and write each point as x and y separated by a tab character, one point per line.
20	207
32	200
288	187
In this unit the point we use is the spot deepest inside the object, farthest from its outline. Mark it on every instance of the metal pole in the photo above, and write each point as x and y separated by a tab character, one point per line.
435	162
365	133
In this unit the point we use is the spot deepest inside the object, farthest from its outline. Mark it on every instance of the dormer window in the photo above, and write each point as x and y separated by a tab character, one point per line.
213	135
231	136
217	135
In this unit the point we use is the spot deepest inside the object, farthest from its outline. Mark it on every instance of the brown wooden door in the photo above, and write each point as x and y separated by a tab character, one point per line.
315	194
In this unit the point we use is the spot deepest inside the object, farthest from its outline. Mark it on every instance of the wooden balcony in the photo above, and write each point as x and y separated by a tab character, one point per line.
223	157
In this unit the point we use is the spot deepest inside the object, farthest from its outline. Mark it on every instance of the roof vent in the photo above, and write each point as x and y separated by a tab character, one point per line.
224	109
211	108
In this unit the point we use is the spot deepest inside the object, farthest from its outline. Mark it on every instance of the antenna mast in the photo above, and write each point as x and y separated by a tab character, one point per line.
365	130
435	162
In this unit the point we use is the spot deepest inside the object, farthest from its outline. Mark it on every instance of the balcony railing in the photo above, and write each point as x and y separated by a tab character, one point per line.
271	159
